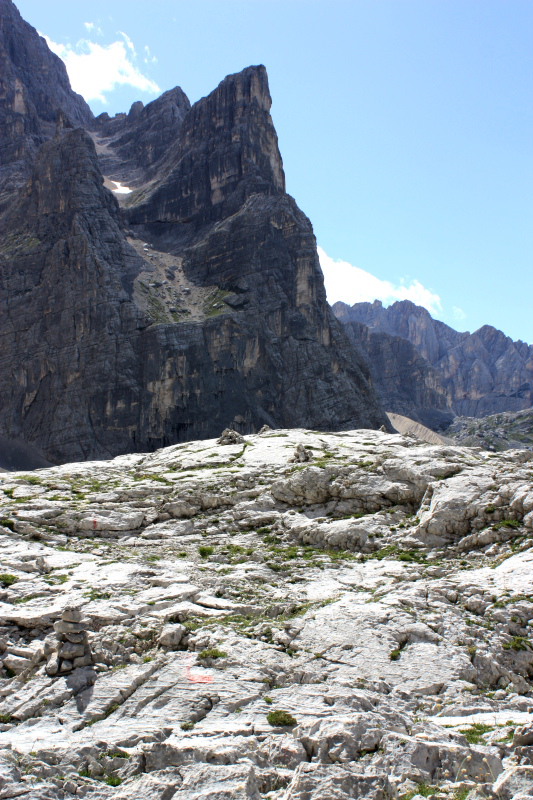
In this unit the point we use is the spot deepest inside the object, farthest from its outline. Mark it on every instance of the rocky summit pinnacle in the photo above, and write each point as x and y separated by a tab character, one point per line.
157	282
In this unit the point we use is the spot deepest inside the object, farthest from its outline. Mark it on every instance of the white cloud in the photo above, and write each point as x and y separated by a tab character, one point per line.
129	43
95	70
148	57
352	284
458	313
92	27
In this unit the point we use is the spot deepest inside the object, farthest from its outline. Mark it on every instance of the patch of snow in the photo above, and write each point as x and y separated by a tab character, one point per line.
121	189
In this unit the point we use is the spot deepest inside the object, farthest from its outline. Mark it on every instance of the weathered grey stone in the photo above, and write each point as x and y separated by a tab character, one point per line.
52	665
301	454
75	638
171	635
70	651
523	736
16	663
320	598
71	614
62	628
82	661
315	782
513	782
229	436
232	782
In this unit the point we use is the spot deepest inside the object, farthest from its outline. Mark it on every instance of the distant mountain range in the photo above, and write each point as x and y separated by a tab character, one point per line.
426	370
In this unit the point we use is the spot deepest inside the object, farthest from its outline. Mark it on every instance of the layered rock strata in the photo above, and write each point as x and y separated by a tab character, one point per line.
506	431
356	623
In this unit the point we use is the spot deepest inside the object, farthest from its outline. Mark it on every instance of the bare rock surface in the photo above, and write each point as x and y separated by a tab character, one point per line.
236	620
505	431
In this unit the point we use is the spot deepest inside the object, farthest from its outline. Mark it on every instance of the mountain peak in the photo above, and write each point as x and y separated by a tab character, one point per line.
197	305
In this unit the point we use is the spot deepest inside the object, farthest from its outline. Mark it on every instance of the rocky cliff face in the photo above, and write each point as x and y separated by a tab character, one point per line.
70	327
406	382
226	152
35	97
198	304
294	616
134	144
473	375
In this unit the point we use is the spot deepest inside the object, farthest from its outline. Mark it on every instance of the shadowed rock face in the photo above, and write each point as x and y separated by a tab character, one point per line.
35	94
68	321
404	380
136	143
473	375
227	151
197	305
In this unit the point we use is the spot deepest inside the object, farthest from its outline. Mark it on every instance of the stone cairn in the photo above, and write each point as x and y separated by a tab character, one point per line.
301	454
230	436
72	649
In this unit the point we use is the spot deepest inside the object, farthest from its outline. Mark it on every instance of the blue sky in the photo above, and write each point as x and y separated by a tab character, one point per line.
404	125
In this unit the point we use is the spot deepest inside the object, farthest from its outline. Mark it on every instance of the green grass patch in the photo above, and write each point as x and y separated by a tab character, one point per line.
395	552
518	643
7	580
517	598
394	655
281	719
506	523
33	479
115	754
212	653
96	594
56	580
27	599
151	476
475	733
423	789
461	794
